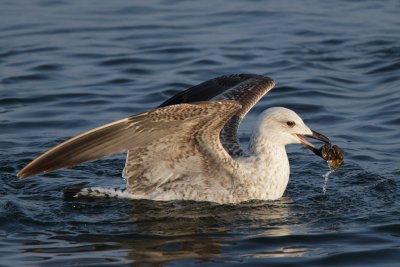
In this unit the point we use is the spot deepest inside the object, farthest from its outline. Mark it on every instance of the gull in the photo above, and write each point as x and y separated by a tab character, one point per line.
188	148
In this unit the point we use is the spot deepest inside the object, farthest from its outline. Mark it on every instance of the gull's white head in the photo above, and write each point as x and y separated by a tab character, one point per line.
283	126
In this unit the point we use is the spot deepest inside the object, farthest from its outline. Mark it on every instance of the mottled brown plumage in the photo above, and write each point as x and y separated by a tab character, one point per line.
134	132
247	89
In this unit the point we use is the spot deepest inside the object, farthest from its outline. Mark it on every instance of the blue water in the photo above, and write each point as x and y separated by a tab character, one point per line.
69	66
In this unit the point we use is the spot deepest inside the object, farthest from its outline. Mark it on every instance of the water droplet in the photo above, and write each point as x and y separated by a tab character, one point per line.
326	175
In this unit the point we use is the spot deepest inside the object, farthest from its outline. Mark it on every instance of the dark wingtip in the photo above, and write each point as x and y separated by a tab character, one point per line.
27	171
22	174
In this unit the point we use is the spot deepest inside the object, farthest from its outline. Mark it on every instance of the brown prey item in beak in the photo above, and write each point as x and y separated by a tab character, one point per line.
334	155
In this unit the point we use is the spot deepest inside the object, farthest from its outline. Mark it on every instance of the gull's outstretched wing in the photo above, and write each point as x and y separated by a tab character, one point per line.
197	123
209	89
247	89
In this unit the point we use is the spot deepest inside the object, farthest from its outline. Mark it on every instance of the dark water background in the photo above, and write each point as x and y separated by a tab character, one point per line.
68	66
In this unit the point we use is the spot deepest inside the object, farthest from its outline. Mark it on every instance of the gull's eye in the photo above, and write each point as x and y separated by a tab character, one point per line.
291	124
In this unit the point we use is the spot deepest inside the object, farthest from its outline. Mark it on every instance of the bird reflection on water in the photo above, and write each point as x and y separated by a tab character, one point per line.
157	233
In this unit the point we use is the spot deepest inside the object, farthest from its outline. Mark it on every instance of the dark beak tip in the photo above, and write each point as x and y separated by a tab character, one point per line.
320	137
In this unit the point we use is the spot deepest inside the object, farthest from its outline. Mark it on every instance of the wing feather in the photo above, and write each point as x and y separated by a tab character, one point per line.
208	90
129	133
247	89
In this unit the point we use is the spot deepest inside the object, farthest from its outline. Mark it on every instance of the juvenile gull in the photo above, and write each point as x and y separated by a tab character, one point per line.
188	149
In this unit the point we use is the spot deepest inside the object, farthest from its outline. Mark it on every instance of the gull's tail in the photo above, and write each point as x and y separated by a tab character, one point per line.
97	192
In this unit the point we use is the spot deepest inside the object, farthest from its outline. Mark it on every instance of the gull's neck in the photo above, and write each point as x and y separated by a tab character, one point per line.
268	166
263	144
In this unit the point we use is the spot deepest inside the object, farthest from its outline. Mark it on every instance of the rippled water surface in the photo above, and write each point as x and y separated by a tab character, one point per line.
68	66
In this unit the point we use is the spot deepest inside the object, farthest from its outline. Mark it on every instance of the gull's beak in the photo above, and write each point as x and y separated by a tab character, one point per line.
314	135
